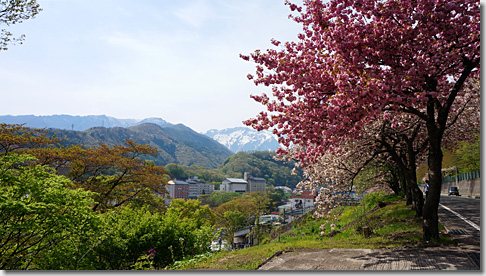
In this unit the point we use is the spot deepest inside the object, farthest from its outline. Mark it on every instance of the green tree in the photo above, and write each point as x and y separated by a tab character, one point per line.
118	174
38	210
235	219
13	12
217	198
176	171
468	156
184	230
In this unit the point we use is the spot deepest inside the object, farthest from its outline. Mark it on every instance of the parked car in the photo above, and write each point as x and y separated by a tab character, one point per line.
453	191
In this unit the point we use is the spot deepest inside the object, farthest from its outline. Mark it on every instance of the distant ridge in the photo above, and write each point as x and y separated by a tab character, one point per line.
192	149
234	139
79	123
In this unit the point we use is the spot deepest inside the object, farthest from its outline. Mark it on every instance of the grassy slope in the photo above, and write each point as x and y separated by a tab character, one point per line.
394	225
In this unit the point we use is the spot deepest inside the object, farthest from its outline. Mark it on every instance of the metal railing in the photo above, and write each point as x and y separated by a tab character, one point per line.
462	176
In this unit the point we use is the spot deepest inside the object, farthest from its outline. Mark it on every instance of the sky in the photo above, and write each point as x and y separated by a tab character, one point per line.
175	60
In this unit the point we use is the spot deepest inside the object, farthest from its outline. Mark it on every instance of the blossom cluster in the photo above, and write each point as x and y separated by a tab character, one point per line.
363	70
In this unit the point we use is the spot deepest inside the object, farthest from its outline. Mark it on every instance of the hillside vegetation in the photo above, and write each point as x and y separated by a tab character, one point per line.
185	153
257	163
177	144
466	157
390	220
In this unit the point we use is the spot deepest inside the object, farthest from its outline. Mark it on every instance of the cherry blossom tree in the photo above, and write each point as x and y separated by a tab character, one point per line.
356	60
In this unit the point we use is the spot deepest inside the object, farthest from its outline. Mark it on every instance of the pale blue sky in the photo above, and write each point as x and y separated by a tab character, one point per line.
177	60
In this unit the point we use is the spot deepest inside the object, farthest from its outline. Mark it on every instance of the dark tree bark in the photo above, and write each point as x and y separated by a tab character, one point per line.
431	206
436	117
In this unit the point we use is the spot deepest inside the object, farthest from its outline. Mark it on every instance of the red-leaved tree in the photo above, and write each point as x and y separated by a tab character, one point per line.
356	60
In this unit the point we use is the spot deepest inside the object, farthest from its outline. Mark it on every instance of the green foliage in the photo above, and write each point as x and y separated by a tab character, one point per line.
212	176
372	199
218	198
184	230
176	171
235	219
468	156
38	210
135	239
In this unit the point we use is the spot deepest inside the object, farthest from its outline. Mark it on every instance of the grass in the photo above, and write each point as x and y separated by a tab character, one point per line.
393	225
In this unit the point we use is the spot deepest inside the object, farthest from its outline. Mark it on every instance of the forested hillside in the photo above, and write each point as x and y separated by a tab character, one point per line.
177	144
258	163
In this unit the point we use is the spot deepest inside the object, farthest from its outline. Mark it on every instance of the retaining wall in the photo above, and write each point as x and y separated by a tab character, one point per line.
468	187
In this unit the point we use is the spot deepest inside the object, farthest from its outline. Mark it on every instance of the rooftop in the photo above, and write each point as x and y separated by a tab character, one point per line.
236	180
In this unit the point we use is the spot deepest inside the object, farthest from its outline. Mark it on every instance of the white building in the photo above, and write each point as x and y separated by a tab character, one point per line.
234	185
304	201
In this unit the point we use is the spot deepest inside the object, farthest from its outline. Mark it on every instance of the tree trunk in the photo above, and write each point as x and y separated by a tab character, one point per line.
417	195
405	185
431	206
394	182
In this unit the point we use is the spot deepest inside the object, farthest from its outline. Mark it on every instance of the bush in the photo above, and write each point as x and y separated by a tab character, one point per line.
371	200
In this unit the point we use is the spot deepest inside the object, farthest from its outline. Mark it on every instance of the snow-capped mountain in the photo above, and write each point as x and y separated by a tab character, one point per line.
244	139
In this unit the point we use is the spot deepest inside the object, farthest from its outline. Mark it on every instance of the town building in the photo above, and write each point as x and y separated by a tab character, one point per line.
247	185
177	189
304	201
198	187
255	184
233	185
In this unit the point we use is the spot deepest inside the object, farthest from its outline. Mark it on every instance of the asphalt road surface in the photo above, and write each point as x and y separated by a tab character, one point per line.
462	218
466	212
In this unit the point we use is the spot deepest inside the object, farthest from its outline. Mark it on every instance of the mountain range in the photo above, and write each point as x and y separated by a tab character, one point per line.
244	139
178	143
79	123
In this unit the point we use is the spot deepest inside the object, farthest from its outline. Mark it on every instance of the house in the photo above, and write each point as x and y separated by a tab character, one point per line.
269	219
234	185
197	187
303	201
284	208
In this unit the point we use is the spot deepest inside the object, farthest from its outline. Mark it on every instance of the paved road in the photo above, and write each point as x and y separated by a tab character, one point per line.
466	212
460	215
462	218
